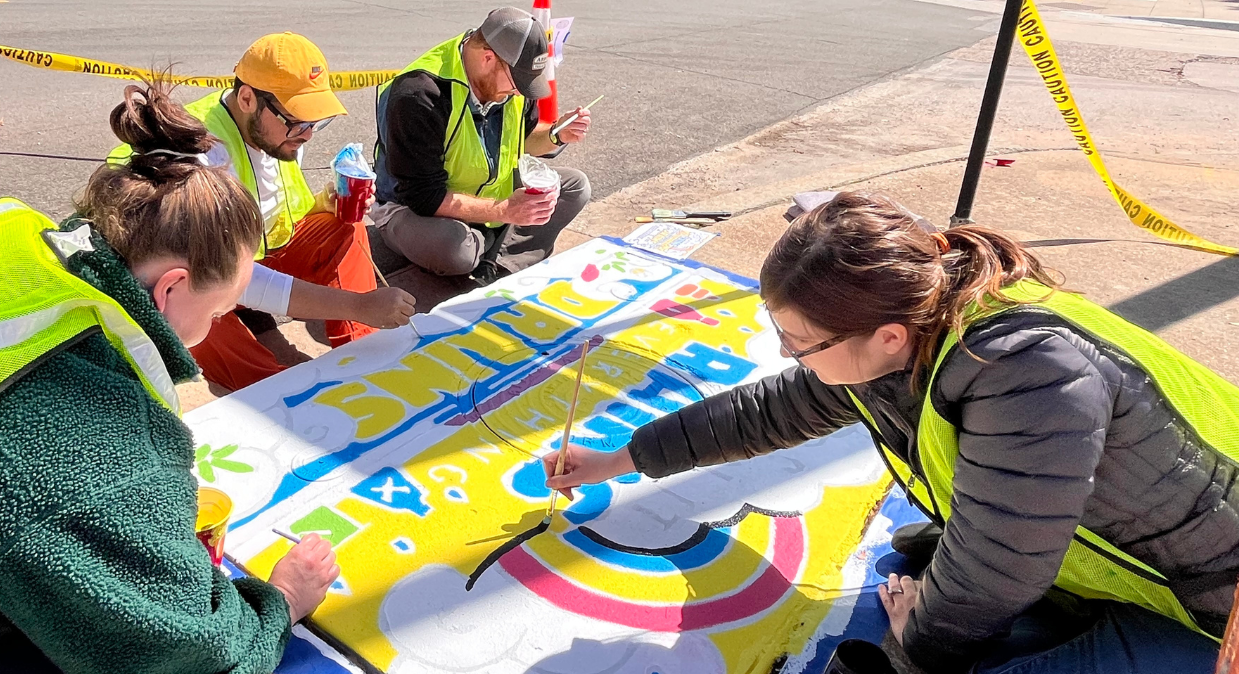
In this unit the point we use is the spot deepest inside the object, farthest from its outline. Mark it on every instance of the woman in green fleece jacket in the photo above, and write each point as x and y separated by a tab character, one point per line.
100	570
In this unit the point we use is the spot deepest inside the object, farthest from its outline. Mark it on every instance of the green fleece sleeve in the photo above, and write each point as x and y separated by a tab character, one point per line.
126	587
99	565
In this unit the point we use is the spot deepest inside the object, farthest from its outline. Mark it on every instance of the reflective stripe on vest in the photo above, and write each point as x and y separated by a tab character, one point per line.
43	305
296	198
1093	568
468	169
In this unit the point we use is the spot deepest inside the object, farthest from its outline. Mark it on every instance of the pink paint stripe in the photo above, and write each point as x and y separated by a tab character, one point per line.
761	594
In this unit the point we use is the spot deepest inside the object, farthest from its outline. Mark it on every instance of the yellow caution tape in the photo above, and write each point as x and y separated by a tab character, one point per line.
1037	45
340	81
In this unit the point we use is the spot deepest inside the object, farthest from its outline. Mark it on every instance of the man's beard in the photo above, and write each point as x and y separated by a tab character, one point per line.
272	150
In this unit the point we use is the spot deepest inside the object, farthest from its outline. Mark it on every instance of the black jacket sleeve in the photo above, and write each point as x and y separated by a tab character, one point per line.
531	116
414	132
1032	425
782	410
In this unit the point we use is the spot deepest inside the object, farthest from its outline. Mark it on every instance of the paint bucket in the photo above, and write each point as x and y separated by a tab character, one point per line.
214	509
857	656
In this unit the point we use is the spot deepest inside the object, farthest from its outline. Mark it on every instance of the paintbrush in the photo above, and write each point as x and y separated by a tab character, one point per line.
563	445
519	539
295	539
375	266
564	124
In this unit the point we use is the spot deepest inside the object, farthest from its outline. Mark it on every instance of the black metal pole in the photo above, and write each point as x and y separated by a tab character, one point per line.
985	119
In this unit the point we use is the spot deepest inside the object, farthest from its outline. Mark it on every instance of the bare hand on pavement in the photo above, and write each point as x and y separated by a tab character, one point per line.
304	575
386	308
528	210
585	466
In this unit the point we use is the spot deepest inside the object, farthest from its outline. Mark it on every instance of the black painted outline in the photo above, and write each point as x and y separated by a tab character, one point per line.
504	549
696	539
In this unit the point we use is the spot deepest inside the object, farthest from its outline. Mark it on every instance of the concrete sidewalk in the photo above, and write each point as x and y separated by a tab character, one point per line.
1223	10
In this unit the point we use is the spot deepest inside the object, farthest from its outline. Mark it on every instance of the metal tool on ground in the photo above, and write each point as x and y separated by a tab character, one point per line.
664	215
520	539
691	222
573	117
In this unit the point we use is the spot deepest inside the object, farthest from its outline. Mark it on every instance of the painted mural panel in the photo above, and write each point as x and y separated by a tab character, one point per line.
415	451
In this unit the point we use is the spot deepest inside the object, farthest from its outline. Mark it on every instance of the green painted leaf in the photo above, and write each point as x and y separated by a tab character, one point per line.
324	519
232	466
600	252
224	451
205	471
201	452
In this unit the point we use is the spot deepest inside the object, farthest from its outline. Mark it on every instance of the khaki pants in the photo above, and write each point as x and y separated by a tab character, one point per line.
449	247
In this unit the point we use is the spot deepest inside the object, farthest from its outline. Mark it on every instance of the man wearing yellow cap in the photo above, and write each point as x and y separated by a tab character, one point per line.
281	97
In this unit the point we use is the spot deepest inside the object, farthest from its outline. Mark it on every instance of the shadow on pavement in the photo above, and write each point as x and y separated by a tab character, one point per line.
1174	301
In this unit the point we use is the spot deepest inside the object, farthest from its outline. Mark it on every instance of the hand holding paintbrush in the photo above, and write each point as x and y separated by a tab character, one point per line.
519	539
572	127
563	446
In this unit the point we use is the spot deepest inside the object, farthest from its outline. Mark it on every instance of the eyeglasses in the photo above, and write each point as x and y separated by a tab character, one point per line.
816	348
295	127
507	70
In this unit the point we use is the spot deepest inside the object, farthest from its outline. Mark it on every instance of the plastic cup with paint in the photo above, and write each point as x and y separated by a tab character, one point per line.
354	183
351	195
541	185
537	177
214	509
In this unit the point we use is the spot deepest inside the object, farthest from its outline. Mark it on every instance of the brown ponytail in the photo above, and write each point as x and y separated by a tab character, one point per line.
164	201
860	262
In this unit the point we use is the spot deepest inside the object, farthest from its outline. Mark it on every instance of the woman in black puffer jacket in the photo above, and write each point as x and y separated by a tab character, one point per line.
1065	452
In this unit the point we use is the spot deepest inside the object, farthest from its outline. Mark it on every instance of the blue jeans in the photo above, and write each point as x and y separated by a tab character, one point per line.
1125	639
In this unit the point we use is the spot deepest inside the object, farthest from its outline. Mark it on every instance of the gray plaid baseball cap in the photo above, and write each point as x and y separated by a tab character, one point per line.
517	38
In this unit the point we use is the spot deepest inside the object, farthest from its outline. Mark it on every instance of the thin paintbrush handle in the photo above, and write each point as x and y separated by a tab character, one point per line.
563	447
375	266
560	127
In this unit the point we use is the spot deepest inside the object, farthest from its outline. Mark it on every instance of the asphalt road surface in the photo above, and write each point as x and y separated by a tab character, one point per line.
680	77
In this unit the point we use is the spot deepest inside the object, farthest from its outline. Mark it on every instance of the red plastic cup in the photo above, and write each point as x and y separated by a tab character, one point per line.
351	196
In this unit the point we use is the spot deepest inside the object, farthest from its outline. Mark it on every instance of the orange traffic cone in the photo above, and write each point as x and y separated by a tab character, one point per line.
548	108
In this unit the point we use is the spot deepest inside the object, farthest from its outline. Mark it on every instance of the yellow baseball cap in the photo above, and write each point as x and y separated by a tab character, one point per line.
291	68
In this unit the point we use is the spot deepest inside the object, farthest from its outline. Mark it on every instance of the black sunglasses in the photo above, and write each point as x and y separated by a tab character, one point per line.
295	127
816	348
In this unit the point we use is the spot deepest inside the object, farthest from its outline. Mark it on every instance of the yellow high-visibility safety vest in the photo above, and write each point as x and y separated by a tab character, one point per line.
1093	568
468	169
44	306
296	198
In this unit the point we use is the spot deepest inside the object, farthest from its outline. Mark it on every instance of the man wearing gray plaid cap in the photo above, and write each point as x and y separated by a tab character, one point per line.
452	127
